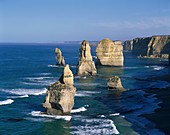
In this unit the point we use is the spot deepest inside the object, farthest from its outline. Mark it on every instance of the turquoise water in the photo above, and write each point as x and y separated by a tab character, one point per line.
27	69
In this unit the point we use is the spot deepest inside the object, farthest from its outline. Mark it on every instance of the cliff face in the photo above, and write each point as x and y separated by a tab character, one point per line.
140	46
151	47
110	53
86	64
60	95
159	45
128	45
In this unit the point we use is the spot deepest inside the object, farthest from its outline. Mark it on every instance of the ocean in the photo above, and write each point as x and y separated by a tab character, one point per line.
26	70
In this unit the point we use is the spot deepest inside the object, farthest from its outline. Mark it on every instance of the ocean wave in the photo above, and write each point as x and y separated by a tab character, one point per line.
55	66
45	73
87	84
23	96
37	78
24	92
39	83
130	67
115	114
155	67
81	109
96	126
5	102
40	114
86	93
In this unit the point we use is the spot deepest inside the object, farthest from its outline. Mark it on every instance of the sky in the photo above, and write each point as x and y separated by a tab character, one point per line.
76	20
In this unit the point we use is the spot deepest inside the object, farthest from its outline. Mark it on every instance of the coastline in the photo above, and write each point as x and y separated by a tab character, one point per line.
161	115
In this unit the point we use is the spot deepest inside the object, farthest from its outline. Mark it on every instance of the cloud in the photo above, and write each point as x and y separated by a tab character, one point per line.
145	23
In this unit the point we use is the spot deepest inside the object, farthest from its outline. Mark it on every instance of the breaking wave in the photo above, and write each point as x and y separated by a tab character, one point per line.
5	102
40	114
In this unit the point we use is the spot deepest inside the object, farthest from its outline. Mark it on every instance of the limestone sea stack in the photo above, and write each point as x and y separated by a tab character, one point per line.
86	64
110	53
60	95
59	58
114	83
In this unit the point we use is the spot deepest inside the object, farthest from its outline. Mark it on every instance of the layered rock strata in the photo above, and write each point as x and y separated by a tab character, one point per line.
60	95
115	83
59	58
110	53
151	47
128	45
86	64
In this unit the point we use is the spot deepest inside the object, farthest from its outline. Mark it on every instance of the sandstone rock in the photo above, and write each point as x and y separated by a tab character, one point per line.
115	83
110	53
152	47
60	95
128	45
59	58
86	64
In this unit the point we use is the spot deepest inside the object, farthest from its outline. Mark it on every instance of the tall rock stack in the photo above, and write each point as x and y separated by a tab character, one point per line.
86	64
60	95
110	53
59	58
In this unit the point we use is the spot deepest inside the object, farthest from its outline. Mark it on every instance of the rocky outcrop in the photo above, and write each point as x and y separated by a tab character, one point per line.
60	95
110	53
115	83
86	64
152	47
59	58
128	45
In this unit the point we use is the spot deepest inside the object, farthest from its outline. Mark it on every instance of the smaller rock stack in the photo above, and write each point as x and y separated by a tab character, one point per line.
60	95
59	58
115	83
86	64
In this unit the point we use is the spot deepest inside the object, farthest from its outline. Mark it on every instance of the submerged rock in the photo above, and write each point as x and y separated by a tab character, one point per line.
60	95
86	64
59	58
115	83
110	53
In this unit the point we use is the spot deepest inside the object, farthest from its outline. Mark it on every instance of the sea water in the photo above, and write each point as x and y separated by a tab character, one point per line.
26	70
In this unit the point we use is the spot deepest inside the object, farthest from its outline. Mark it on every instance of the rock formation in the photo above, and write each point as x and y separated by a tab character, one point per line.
59	58
110	53
86	64
152	47
115	83
60	95
128	45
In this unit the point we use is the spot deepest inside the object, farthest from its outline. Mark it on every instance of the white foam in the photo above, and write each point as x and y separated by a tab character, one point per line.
5	102
115	114
54	66
158	68
81	109
37	78
86	93
96	126
40	114
23	96
45	73
24	92
86	84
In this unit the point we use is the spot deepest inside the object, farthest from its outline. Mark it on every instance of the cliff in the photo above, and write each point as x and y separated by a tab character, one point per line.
110	53
59	58
128	45
150	47
86	64
60	95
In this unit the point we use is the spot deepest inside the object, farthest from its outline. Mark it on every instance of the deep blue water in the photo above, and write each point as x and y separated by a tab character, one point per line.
27	70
